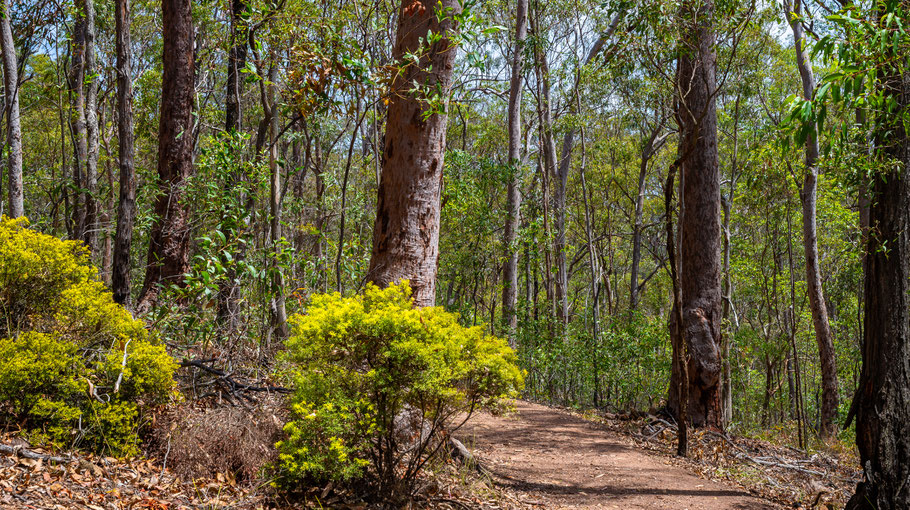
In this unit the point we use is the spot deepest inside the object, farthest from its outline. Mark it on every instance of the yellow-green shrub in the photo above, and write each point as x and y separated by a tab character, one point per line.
362	363
63	374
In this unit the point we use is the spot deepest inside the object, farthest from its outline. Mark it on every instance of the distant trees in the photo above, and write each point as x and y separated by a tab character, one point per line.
406	232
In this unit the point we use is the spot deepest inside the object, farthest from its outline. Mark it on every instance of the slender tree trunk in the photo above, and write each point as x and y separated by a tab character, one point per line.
11	110
78	121
655	141
279	312
126	205
882	401
677	332
510	270
726	205
90	203
167	256
406	233
699	214
807	197
228	309
549	168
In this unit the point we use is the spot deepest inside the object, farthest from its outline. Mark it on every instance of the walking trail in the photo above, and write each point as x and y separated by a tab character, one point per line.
553	460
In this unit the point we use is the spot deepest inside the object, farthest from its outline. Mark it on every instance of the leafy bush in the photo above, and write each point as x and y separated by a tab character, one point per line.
377	379
75	367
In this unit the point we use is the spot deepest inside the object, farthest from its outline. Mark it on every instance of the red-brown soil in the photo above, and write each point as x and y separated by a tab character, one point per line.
552	459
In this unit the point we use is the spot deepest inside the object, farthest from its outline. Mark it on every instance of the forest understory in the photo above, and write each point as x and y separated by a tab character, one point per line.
530	457
271	253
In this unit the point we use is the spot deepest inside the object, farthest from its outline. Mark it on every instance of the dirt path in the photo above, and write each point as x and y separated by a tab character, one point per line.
556	460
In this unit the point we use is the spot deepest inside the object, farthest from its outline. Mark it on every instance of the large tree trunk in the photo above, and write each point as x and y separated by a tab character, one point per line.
807	197
11	109
882	401
699	215
126	205
167	256
510	270
406	233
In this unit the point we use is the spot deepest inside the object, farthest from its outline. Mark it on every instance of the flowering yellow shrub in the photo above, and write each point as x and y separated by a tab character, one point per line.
376	379
75	367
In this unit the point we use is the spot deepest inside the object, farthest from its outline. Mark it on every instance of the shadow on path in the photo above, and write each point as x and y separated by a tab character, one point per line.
549	455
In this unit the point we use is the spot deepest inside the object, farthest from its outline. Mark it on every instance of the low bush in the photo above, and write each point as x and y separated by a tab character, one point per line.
377	384
75	368
229	441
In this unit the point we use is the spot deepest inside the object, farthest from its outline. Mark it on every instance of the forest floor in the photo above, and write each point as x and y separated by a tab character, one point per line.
557	458
553	459
534	458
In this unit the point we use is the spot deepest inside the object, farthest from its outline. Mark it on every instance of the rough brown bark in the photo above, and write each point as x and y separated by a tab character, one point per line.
510	270
699	214
126	205
11	112
807	196
677	333
882	401
406	233
167	255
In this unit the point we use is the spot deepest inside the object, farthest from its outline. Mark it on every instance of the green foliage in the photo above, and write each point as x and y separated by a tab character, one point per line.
626	367
361	363
75	367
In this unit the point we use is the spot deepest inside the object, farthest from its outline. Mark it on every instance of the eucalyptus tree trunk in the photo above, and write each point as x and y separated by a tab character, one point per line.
167	256
90	203
882	401
699	263
11	110
510	270
406	232
558	299
654	143
278	310
78	122
228	308
126	205
678	387
807	196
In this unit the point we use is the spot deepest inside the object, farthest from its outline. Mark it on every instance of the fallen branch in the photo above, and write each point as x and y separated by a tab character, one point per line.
25	453
234	387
